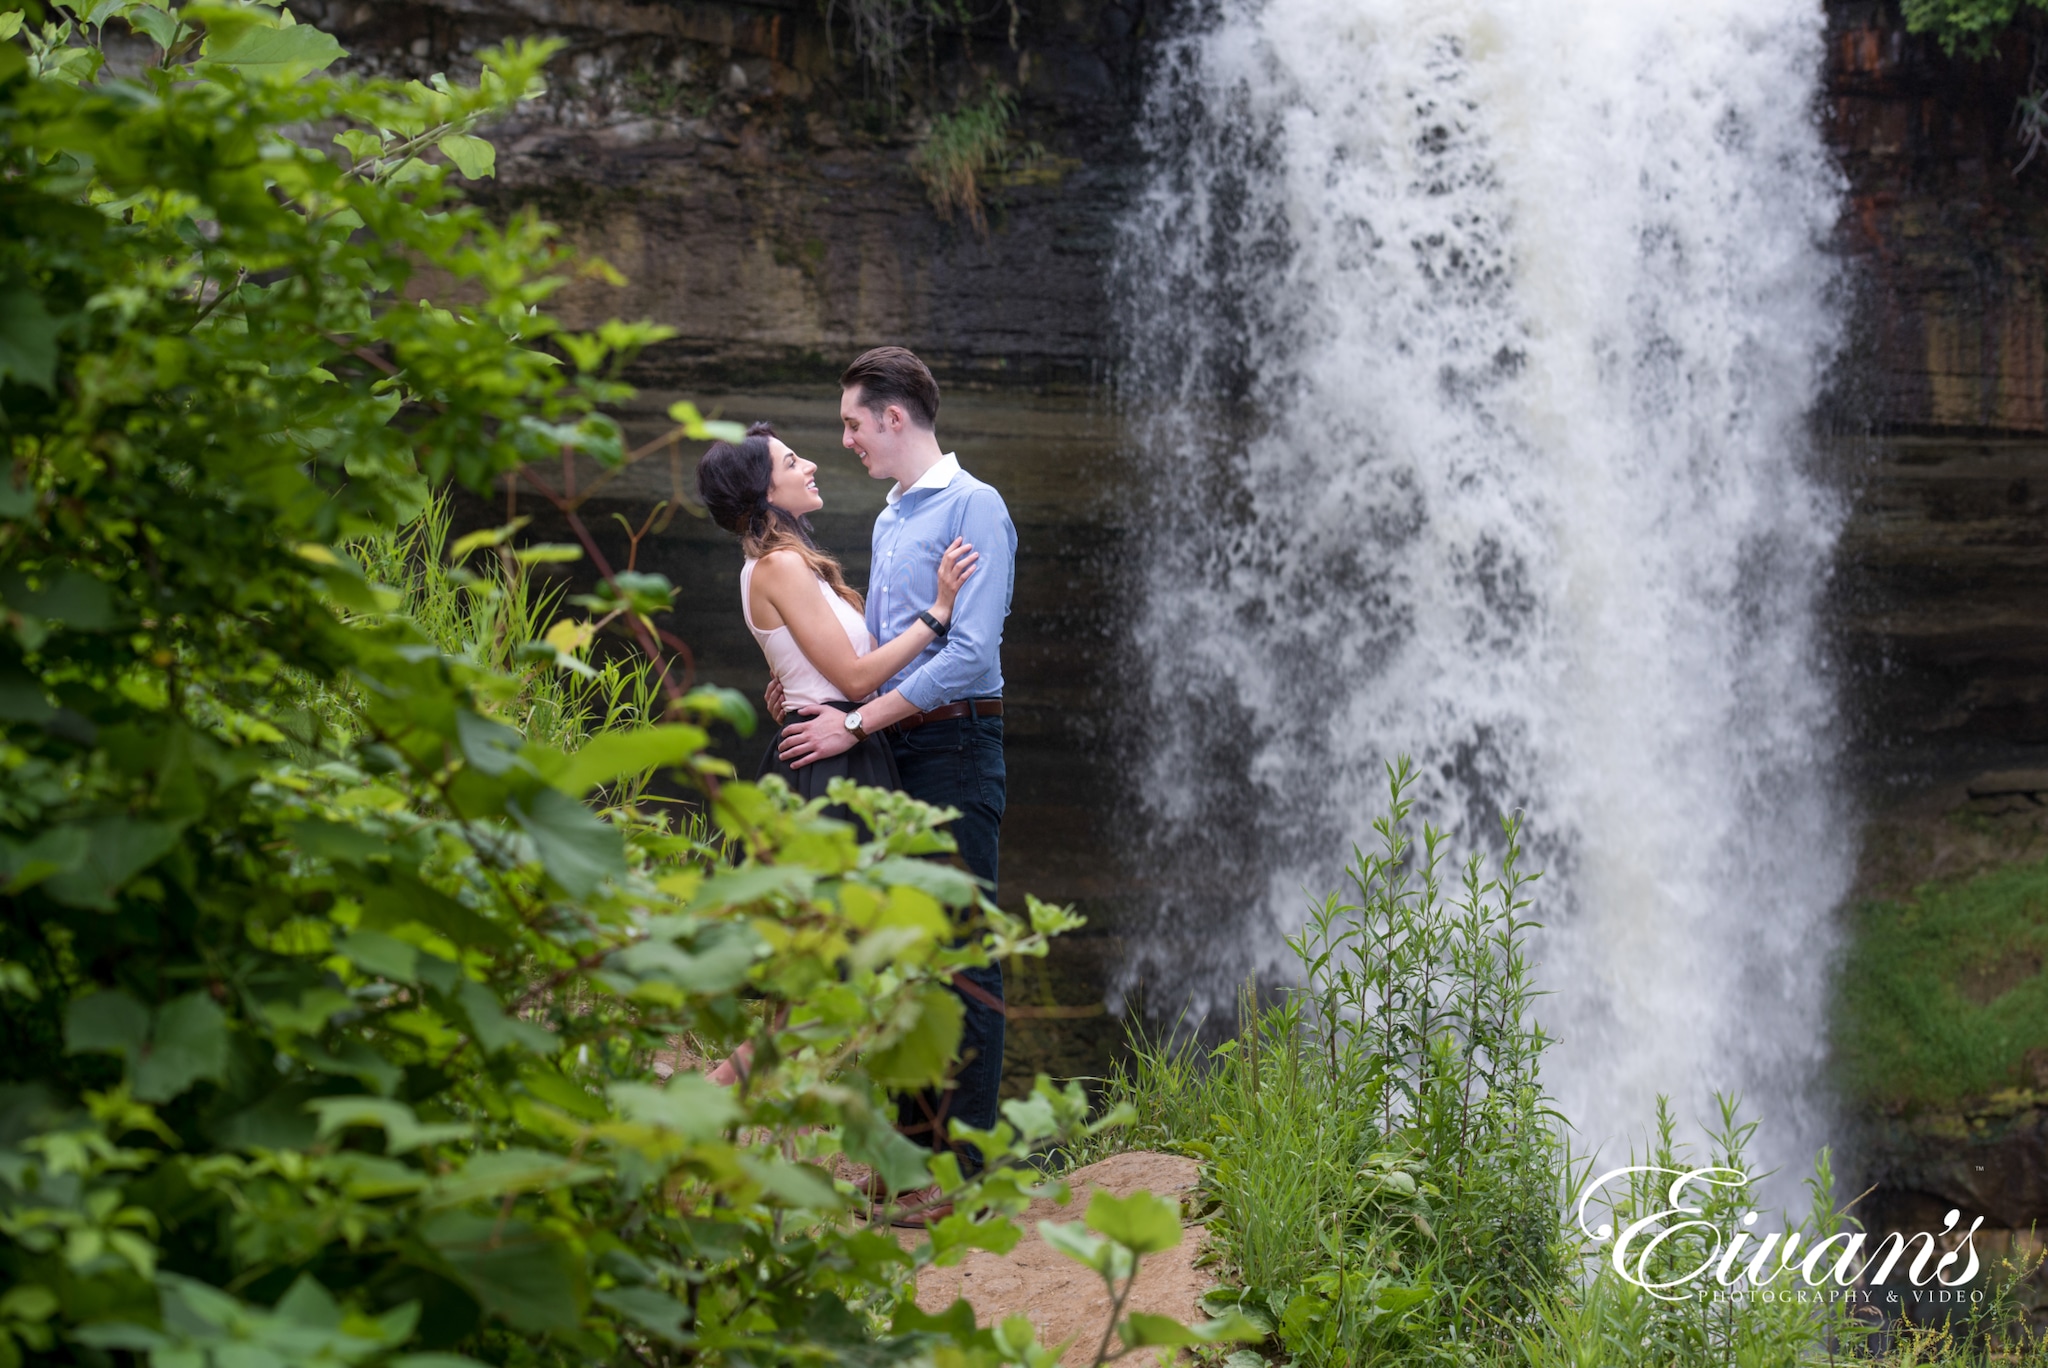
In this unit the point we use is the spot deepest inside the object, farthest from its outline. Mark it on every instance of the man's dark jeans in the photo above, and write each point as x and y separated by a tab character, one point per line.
959	763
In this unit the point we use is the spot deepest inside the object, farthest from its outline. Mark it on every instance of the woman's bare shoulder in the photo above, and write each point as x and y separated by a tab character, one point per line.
782	564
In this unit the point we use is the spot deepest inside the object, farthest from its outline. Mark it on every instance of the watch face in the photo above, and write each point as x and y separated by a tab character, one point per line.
853	721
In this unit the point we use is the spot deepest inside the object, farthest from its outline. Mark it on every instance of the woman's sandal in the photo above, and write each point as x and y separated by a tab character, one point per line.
921	1208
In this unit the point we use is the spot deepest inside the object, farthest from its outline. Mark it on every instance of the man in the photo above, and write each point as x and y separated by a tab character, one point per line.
943	714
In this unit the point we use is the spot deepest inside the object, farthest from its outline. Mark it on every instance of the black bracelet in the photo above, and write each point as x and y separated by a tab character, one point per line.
938	627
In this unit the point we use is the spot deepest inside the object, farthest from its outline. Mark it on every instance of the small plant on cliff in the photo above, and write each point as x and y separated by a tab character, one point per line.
1973	27
959	153
1969	26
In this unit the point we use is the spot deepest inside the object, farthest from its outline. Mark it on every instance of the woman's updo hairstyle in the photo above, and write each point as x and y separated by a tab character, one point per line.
732	482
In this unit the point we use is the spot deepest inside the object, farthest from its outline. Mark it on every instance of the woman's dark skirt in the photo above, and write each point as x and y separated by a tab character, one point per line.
870	762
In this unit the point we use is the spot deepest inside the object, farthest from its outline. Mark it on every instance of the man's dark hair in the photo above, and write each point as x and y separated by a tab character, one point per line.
892	375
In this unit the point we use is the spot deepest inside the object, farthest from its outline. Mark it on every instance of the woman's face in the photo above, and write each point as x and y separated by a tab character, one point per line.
790	486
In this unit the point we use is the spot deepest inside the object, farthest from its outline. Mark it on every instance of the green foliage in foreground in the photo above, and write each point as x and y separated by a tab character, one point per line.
339	938
1943	998
1970	26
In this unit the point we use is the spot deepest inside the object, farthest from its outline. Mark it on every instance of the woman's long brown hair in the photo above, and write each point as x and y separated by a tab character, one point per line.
733	479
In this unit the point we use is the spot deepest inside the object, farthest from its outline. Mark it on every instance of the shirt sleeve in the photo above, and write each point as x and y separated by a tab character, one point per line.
974	640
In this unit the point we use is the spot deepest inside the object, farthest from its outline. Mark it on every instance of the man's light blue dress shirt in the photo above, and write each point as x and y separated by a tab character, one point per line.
910	535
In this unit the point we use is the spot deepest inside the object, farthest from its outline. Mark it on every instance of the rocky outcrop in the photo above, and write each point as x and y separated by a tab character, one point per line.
1941	403
1950	241
741	168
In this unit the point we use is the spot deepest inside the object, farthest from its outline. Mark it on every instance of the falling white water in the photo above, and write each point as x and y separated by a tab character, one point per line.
1470	346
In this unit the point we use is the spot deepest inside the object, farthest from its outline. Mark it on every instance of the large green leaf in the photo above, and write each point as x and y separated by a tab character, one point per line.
491	1176
400	900
189	1041
380	956
28	337
277	55
615	755
491	746
577	849
1092	1251
869	1139
493	1029
956	1234
528	1277
658	1313
184	1041
24	864
78	600
342	844
472	156
690	1105
1141	1222
919	1055
118	849
799	1185
1143	1329
719	962
106	1023
402	1128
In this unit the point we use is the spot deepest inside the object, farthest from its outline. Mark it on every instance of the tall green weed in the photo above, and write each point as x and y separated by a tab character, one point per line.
489	607
1386	1171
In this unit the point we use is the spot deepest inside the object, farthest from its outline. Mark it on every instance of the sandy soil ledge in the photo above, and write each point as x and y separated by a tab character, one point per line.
1063	1299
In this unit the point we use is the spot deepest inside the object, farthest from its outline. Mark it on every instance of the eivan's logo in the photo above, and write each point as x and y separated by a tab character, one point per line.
1645	1248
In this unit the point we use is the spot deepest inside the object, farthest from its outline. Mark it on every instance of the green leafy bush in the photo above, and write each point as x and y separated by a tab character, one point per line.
339	935
1971	26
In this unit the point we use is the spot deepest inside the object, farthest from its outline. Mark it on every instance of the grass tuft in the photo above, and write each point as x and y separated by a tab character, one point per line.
959	153
1942	996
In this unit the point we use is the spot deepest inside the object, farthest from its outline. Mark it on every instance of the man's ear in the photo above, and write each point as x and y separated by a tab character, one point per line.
895	418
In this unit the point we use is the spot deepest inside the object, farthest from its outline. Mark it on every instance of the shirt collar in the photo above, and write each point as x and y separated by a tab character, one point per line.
938	477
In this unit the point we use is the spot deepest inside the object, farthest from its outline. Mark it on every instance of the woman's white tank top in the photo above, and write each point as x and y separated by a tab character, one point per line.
802	685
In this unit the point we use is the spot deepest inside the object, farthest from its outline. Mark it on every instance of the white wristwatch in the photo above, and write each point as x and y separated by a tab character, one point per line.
853	725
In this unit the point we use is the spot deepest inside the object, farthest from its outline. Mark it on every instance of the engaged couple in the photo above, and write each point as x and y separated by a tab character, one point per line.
902	690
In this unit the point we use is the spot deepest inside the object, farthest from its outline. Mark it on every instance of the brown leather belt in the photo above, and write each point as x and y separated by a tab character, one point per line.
972	707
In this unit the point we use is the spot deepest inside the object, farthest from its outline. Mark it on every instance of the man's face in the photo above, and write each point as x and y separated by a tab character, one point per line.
874	437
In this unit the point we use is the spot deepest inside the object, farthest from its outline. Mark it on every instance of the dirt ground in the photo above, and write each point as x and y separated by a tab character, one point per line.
1064	1300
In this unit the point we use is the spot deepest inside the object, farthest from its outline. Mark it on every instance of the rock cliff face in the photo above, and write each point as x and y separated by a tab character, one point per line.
1942	402
739	165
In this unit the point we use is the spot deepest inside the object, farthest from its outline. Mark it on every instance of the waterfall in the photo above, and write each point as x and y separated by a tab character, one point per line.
1469	348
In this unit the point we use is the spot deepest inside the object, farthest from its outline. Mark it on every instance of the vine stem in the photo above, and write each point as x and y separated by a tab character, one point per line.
1102	1354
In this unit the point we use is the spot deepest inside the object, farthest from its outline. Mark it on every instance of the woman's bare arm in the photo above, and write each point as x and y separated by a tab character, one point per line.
790	591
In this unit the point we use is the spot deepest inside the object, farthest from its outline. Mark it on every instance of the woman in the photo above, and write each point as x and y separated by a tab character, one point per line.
798	606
